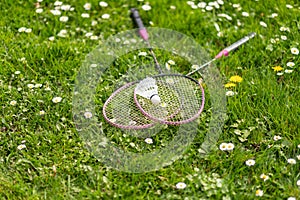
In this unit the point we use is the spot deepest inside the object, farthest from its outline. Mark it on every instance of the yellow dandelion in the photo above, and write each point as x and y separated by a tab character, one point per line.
277	68
229	85
236	79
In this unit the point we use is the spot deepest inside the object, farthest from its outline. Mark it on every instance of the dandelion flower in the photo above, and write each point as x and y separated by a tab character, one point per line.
21	146
13	102
56	99
88	115
63	18
180	185
236	79
148	140
250	162
103	4
276	138
294	51
85	15
277	68
229	85
291	161
290	64
105	16
223	146
259	193
264	177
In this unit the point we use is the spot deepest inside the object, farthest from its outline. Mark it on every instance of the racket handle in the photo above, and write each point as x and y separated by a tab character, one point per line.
139	23
225	52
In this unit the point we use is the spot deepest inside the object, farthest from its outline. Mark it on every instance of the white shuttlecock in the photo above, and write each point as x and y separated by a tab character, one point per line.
147	88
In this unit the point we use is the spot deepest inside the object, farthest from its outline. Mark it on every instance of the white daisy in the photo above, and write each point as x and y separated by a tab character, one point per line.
58	3
250	162
172	7
298	182
39	10
264	177
64	18
283	37
28	30
230	93
209	8
65	7
276	138
87	6
294	51
22	29
171	62
288	71
146	7
291	161
230	146
21	146
201	4
103	4
62	33
51	38
85	15
55	12
263	24
30	86
88	115
180	185
13	102
42	112
149	141
245	14
290	64
142	53
105	16
289	6
223	146
259	193
56	99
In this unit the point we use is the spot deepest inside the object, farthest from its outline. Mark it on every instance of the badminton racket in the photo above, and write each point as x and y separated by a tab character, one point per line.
186	102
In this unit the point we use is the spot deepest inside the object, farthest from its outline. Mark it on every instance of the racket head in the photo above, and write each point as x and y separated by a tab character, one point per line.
120	111
182	100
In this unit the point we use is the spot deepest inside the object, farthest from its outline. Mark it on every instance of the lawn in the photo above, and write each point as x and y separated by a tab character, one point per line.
56	144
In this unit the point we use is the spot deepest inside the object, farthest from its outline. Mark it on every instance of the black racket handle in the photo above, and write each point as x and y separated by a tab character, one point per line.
139	23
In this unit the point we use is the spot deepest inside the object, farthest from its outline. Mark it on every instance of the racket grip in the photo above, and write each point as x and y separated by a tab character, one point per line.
225	52
139	23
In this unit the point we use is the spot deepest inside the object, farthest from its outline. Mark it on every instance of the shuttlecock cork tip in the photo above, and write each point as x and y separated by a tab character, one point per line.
155	99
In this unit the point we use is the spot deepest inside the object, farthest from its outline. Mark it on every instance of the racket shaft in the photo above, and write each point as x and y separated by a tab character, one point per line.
240	42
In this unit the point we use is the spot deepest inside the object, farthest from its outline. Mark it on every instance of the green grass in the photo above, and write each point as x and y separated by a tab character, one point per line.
55	163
